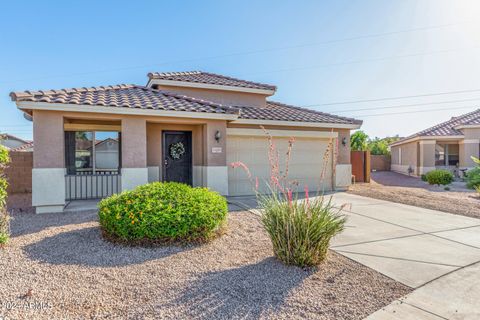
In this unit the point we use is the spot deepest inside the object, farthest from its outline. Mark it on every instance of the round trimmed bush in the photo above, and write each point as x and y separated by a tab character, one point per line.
163	212
439	177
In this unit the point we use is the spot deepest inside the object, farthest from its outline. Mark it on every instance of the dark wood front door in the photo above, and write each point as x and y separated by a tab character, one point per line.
177	156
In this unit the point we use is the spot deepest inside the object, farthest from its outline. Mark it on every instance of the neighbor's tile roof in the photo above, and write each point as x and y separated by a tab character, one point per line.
209	78
132	96
447	128
127	96
24	147
283	112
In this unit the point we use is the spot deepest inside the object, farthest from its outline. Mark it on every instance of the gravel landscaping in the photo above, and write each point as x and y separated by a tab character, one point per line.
58	266
395	187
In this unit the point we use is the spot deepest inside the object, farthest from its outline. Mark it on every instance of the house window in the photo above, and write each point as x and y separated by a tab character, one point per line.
446	155
92	152
440	154
400	155
453	154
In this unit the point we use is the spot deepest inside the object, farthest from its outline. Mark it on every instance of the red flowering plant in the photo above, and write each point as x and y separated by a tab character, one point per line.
300	229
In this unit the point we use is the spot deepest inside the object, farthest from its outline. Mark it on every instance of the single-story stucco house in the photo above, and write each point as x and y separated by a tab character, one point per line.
448	145
182	126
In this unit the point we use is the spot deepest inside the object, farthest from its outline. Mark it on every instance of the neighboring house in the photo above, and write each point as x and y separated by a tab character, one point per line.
12	142
182	126
448	145
27	147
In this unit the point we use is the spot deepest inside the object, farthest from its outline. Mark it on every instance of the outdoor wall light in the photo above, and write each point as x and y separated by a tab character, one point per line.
218	136
344	141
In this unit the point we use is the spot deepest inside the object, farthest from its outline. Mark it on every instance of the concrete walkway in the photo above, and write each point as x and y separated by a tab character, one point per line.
434	252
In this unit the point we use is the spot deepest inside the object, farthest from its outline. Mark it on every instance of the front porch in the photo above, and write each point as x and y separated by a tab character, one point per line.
449	154
89	157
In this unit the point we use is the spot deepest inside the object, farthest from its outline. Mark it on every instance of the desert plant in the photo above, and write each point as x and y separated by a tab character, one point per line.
473	175
163	212
4	217
439	177
300	229
473	178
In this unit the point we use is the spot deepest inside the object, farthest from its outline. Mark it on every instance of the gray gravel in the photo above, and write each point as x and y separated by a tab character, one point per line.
58	266
396	187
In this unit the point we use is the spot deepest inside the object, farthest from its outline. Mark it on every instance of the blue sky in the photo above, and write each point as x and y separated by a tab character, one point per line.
316	52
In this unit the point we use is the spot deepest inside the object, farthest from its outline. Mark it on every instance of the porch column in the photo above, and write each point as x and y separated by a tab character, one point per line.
343	168
134	153
48	173
467	149
215	170
426	160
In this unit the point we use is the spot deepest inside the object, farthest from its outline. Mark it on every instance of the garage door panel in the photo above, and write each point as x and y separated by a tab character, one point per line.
305	167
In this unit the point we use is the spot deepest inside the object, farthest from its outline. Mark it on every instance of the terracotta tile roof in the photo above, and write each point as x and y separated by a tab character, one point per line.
209	78
126	96
448	128
140	97
24	147
284	112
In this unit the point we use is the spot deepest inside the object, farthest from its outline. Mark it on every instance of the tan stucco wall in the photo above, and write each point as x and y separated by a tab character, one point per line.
466	151
409	159
49	139
209	130
426	154
219	96
134	143
471	133
409	154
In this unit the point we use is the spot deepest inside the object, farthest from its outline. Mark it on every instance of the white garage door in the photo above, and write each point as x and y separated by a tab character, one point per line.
305	167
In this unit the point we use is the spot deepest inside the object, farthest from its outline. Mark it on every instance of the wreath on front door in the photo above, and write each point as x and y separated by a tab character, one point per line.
177	150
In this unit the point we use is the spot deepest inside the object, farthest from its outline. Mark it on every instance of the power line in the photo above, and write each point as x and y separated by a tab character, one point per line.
394	98
410	112
406	105
363	61
361	37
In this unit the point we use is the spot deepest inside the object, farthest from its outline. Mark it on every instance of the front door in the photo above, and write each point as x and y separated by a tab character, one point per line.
177	156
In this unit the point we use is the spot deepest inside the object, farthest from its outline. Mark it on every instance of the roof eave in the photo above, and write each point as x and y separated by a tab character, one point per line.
467	126
27	106
332	125
198	85
418	138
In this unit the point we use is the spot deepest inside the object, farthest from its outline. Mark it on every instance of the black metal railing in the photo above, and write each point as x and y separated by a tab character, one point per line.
98	185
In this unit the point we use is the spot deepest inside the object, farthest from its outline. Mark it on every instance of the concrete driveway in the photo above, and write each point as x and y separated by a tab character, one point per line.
435	252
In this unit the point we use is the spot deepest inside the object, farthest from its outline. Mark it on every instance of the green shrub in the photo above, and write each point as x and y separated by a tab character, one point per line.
473	178
163	212
300	231
4	217
424	177
439	177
